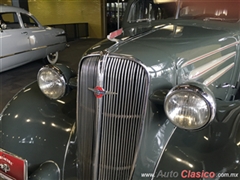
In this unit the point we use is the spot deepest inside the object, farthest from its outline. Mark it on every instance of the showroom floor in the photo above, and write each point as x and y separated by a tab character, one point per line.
14	80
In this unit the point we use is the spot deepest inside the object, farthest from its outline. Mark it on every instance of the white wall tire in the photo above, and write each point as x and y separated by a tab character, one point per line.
52	58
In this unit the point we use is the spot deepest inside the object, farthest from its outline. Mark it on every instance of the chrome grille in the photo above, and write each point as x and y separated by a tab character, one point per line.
108	142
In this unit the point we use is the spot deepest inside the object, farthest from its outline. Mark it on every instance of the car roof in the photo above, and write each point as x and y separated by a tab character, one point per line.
5	8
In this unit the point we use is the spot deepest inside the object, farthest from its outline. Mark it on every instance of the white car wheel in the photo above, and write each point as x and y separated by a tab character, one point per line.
52	58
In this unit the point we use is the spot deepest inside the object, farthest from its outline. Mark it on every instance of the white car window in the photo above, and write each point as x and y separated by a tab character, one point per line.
10	20
28	21
210	10
152	10
148	10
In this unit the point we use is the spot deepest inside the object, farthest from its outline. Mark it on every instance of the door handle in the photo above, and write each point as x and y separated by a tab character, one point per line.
225	85
24	33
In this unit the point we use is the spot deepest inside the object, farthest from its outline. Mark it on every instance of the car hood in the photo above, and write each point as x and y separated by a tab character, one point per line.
166	48
171	40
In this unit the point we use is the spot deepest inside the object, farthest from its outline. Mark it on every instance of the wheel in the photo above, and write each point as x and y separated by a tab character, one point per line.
51	58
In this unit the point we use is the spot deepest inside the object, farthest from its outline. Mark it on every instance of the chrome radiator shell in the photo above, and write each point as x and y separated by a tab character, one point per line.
109	126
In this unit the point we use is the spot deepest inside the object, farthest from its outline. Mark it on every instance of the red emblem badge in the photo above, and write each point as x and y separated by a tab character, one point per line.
99	92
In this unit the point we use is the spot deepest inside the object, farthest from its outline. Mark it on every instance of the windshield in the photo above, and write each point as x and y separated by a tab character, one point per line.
206	10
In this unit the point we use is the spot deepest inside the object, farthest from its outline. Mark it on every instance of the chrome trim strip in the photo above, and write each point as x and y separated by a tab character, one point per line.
26	169
67	148
64	34
167	129
197	72
209	54
58	168
5	36
217	75
40	47
37	31
33	49
9	55
98	117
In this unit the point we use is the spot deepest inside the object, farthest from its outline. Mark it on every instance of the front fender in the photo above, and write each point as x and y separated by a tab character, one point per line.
212	152
170	153
39	129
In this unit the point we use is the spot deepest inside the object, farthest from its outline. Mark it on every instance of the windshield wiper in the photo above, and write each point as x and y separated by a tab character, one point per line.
143	20
220	19
214	19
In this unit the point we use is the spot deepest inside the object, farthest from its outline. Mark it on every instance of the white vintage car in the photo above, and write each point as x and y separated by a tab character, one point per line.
23	39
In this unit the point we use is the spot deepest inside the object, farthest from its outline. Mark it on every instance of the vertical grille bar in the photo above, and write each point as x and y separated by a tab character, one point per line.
121	117
86	116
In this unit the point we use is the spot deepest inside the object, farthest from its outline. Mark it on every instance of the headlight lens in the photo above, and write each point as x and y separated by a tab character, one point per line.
190	106
51	82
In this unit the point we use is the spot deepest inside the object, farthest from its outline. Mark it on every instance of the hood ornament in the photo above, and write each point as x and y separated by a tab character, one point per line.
112	36
99	92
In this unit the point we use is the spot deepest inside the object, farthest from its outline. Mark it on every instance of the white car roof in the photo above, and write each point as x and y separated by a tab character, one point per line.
4	8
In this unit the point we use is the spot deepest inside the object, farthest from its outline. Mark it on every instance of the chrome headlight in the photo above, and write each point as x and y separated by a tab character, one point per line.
190	106
51	82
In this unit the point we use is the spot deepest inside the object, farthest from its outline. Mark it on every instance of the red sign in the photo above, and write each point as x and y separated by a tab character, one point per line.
12	167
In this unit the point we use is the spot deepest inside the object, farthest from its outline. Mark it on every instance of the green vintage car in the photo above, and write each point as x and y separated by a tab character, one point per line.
158	99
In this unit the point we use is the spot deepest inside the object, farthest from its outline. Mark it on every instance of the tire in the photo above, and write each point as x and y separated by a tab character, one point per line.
51	58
